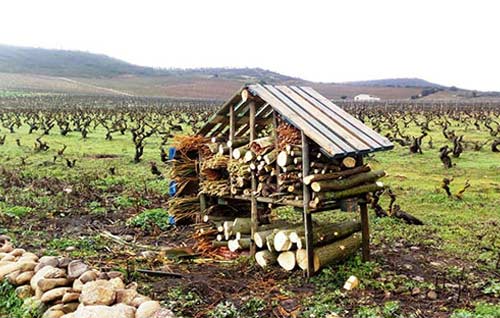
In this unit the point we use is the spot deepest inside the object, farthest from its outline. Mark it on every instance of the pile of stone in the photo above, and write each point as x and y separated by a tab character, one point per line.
61	287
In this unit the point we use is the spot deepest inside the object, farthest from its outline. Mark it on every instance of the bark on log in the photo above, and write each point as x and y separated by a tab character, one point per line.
331	253
329	176
336	185
327	234
265	258
241	244
330	196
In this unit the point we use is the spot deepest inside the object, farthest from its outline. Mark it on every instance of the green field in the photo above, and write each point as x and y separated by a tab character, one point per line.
51	208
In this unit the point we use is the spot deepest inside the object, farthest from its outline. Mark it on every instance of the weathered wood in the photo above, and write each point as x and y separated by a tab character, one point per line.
365	230
326	233
253	208
347	183
287	260
329	196
349	162
265	258
335	175
239	244
307	217
331	253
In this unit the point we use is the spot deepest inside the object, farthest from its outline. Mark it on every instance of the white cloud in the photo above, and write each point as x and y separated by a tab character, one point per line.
449	42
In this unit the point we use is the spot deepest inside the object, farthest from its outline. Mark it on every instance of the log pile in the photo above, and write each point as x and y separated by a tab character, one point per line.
285	245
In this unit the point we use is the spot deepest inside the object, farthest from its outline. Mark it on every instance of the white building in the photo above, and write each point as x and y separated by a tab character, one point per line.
366	97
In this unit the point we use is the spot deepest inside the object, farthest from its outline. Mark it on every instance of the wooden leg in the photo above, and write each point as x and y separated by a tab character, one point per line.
203	207
365	230
254	218
307	218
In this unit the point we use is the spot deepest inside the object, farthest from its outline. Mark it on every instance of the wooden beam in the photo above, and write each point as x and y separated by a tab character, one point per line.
232	127
307	217
253	209
365	230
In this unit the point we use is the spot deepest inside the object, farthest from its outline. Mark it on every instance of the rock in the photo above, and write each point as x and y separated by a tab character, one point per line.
432	295
117	311
24	278
9	258
70	297
71	315
24	291
54	312
414	248
88	276
12	277
63	262
70	249
103	276
115	274
49	261
10	267
163	313
125	296
51	283
46	272
76	269
54	294
28	257
70	307
6	247
17	252
99	292
415	291
117	283
77	285
147	309
139	300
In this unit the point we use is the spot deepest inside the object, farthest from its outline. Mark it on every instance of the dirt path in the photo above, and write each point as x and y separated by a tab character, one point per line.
110	90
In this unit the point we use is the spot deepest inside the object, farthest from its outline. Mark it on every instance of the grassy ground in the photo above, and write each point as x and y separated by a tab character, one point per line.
51	208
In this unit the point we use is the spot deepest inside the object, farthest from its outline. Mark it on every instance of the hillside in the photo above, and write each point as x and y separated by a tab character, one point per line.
76	72
396	82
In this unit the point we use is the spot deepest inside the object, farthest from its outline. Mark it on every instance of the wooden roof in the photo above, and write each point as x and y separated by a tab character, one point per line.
333	129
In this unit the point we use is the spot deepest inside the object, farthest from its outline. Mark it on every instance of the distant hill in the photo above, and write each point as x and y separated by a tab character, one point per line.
396	82
49	62
77	72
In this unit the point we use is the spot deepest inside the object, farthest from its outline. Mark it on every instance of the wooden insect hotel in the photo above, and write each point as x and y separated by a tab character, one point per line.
271	146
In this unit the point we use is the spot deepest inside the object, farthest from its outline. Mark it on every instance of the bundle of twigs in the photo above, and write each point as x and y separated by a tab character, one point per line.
216	162
184	209
187	144
218	188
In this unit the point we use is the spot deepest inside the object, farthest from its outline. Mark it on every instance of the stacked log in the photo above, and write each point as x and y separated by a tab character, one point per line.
285	245
214	176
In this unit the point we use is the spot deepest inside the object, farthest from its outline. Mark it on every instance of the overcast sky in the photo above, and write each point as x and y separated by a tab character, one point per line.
448	42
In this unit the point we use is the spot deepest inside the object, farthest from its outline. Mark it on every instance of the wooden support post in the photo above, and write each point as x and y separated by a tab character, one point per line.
307	217
203	197
365	229
276	143
232	129
253	212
